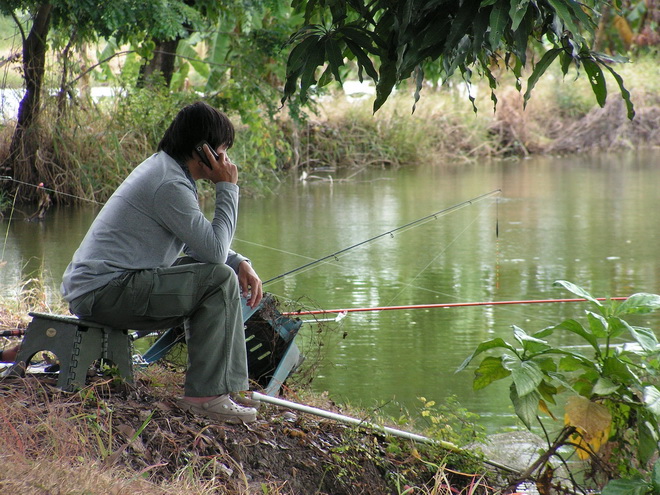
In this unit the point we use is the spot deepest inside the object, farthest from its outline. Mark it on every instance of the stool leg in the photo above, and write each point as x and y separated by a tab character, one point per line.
120	351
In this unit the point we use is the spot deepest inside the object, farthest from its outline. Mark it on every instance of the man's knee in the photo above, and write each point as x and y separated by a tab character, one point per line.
223	275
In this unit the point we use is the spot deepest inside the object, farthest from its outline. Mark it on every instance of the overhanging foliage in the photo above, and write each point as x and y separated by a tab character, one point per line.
392	41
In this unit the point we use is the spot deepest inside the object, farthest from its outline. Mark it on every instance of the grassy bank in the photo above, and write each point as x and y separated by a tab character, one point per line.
113	437
86	152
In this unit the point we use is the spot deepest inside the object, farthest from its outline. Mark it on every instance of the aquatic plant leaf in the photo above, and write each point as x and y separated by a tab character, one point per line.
576	328
590	417
592	422
547	391
638	304
652	399
526	377
636	486
605	386
525	406
544	408
655	477
644	337
490	370
597	324
578	291
486	346
648	441
615	368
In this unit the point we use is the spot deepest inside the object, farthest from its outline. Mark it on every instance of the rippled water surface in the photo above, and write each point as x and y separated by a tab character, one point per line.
590	220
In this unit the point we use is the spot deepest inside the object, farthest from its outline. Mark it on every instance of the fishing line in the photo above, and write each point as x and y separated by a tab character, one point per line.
11	215
403	228
497	243
442	251
40	186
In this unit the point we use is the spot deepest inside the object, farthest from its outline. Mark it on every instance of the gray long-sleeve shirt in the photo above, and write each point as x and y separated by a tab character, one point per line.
151	217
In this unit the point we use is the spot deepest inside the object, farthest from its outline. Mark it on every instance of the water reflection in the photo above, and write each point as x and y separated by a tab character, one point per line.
590	220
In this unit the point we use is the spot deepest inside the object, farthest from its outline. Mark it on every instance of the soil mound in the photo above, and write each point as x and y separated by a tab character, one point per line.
135	438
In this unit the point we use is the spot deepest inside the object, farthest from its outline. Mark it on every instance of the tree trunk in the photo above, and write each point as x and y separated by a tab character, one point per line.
24	143
163	62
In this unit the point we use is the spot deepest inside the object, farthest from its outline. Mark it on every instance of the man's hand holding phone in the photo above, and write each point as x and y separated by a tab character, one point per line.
220	167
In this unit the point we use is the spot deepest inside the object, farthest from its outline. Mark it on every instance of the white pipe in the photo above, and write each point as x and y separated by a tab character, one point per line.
359	422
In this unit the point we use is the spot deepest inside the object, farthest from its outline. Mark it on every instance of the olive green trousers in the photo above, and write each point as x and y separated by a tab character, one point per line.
203	297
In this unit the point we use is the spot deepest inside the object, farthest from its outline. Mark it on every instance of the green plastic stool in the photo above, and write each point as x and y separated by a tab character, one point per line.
77	344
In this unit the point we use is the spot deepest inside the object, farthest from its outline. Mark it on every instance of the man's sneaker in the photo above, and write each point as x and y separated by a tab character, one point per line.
221	409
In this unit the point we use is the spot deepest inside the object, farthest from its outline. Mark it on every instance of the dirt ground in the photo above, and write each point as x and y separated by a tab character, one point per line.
138	429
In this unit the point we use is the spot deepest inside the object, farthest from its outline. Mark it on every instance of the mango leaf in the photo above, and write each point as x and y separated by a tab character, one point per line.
538	71
486	346
635	486
652	399
525	406
527	376
299	53
639	304
521	36
419	81
578	291
334	56
625	94
461	24
578	9
386	82
597	80
315	58
564	14
517	12
489	370
499	17
363	60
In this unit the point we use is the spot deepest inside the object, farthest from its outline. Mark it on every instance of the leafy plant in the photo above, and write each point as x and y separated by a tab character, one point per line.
394	44
613	394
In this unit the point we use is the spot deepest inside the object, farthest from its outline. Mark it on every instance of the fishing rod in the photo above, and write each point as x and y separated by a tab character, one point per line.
444	305
389	232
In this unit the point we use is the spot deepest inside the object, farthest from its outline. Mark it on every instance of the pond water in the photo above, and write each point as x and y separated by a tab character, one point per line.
591	220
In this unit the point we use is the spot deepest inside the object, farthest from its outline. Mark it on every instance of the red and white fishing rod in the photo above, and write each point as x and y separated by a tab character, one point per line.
444	305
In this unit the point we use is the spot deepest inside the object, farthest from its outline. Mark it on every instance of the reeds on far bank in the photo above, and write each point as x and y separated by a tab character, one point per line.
88	151
562	116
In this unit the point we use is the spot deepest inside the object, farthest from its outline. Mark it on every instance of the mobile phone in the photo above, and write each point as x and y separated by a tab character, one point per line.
199	148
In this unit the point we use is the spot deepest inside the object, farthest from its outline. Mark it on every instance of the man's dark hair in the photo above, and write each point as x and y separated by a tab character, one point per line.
194	123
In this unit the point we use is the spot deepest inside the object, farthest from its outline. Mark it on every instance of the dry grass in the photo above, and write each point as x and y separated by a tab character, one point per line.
111	438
